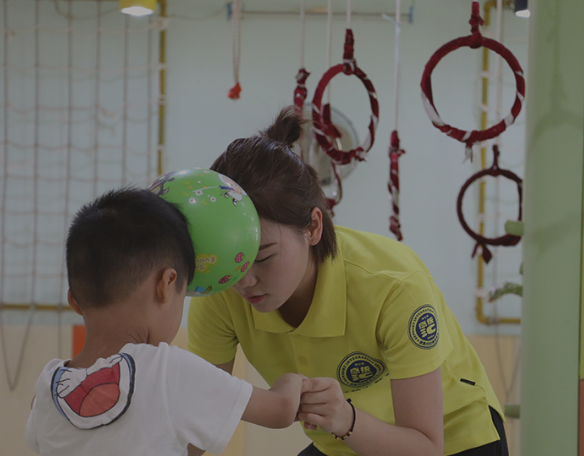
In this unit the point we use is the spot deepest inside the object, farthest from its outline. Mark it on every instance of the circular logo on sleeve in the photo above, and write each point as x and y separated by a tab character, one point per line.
423	327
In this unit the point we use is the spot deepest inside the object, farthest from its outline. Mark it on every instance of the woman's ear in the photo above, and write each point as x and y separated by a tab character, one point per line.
167	279
315	229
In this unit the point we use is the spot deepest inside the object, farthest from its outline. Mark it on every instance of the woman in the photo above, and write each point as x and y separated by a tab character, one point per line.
358	311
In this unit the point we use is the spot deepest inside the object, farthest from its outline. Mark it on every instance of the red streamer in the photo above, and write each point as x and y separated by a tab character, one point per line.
393	184
300	92
234	92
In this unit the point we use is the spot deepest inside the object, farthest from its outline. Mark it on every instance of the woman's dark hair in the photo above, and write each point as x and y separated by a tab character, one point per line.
283	188
116	241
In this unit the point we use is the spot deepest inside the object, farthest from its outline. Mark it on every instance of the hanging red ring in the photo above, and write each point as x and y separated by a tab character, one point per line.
474	41
506	240
349	67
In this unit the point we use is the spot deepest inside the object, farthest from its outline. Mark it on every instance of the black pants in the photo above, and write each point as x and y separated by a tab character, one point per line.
498	448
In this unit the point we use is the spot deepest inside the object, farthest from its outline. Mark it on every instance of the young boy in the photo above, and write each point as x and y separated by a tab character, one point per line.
129	260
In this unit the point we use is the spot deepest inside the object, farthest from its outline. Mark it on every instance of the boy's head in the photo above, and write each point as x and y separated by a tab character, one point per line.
118	240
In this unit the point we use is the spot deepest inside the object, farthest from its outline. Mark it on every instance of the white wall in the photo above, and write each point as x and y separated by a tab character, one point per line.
202	121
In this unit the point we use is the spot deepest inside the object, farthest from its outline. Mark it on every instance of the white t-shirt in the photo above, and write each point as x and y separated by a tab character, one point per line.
146	400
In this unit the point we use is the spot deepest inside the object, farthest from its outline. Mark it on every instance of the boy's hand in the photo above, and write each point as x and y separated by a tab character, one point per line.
288	380
277	407
323	404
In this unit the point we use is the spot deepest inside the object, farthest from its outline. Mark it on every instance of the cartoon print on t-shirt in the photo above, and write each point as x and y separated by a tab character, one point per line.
96	396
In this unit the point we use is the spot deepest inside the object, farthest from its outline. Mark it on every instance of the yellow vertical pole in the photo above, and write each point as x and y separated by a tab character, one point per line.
482	186
481	317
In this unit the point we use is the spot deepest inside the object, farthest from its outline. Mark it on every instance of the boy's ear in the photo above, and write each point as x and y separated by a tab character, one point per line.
166	281
73	302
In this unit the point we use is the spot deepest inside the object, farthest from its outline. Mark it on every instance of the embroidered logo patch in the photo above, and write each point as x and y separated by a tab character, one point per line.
359	370
423	327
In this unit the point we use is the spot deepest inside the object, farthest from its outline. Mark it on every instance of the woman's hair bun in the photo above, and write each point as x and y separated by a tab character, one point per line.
287	128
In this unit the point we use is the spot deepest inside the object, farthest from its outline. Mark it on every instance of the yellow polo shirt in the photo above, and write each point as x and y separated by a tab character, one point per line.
376	315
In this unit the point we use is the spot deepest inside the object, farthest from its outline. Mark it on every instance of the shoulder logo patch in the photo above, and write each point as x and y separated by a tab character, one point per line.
358	370
423	327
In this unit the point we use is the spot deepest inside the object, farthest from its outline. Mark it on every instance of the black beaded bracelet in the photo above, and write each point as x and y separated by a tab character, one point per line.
352	425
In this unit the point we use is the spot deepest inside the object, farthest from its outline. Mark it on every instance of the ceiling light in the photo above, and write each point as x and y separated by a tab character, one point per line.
137	7
521	8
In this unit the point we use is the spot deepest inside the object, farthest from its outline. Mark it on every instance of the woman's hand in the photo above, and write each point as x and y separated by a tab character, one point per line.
418	413
323	404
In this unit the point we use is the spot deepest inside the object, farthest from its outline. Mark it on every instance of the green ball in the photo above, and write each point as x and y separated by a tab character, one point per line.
223	224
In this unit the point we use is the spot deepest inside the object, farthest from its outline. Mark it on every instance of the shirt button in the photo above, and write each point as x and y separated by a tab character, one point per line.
302	360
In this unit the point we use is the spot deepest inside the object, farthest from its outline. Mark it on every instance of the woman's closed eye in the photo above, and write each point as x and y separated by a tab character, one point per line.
264	259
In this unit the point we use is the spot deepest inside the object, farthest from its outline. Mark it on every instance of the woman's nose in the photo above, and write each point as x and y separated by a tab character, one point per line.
248	280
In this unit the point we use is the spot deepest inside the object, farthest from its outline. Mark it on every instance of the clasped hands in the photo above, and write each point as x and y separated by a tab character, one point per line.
323	404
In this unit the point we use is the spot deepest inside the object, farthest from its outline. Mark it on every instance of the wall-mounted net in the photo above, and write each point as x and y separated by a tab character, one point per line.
79	99
78	103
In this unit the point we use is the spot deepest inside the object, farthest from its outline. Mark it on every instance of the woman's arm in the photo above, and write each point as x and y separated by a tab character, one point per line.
418	411
227	367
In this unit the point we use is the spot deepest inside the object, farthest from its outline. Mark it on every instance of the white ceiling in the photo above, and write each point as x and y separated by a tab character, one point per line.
289	6
204	7
339	6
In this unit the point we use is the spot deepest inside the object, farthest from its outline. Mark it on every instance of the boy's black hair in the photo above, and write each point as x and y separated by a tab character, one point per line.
116	241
